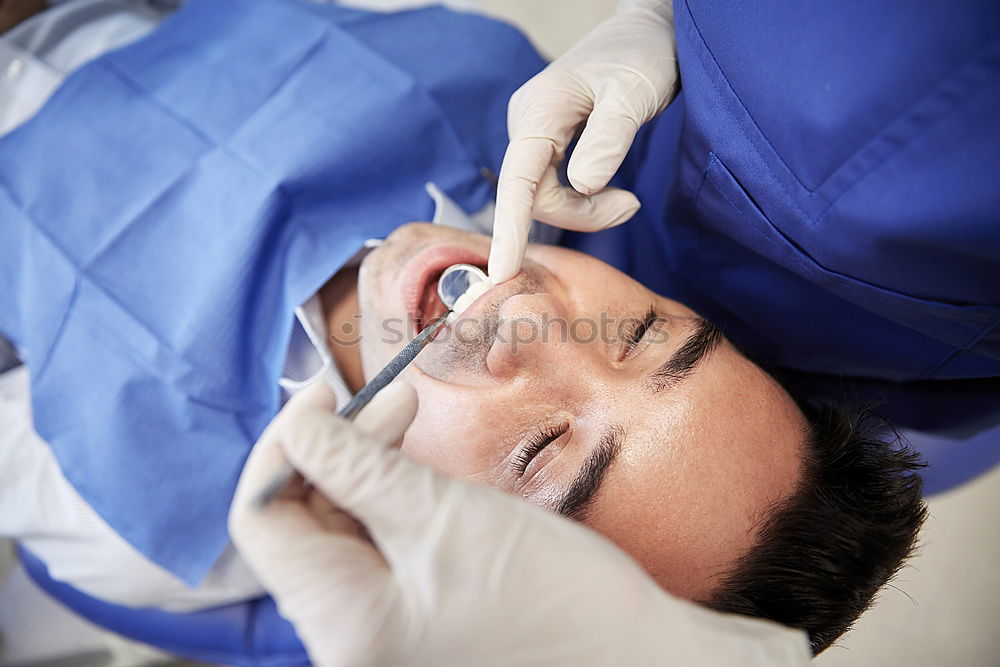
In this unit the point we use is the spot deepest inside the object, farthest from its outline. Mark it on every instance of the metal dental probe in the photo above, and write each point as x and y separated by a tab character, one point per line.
451	287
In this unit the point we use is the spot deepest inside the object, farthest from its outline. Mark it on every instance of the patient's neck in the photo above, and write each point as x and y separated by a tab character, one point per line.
340	305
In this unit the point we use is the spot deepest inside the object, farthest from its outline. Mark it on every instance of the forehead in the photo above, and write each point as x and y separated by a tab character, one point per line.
701	465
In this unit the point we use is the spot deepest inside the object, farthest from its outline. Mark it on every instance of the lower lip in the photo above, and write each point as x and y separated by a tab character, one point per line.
424	265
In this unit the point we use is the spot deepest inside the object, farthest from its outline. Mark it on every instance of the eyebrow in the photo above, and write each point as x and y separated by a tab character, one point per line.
577	500
705	338
580	495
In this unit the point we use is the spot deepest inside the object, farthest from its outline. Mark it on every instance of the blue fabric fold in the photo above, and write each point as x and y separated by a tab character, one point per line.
175	200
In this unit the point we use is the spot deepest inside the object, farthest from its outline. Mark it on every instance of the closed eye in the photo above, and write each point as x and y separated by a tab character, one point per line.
635	336
535	444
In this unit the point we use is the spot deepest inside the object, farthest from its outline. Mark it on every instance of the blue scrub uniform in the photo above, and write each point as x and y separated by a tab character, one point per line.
827	189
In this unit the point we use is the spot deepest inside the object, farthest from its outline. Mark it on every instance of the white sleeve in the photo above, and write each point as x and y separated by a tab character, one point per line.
40	509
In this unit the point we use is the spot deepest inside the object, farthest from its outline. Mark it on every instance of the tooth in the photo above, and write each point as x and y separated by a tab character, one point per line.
474	292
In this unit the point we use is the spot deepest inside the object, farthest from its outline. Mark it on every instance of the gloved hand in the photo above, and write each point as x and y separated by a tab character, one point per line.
616	78
438	571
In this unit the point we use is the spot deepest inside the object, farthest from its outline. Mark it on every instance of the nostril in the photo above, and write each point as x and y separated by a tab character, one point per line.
517	346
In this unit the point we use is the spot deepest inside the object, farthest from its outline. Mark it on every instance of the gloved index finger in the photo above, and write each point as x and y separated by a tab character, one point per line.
524	163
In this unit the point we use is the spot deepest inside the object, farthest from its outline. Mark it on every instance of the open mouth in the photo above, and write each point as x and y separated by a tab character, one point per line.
420	295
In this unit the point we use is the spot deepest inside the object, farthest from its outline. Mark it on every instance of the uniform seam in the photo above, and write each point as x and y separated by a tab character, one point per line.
791	195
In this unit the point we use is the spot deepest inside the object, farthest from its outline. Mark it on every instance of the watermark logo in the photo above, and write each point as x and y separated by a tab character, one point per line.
516	332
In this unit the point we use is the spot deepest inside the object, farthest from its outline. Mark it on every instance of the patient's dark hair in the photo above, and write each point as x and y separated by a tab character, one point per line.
823	553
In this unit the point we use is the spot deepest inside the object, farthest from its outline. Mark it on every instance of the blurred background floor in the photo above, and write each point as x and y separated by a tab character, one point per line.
944	609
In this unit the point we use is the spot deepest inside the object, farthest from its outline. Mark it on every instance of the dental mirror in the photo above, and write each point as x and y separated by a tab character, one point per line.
456	280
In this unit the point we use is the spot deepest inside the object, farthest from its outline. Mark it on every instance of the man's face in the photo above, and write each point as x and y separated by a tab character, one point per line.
577	388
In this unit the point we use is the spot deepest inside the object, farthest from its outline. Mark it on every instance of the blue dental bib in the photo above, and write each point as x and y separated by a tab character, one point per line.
174	202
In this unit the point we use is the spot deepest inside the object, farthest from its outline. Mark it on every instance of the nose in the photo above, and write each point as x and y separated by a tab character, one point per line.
536	336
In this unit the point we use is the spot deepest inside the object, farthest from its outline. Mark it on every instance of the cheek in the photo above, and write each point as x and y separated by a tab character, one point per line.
382	337
428	444
373	350
451	438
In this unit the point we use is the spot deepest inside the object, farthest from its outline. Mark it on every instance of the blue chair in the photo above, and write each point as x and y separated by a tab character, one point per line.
952	462
248	634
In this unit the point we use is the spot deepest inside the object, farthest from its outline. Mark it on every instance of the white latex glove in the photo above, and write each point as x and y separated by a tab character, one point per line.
454	573
616	78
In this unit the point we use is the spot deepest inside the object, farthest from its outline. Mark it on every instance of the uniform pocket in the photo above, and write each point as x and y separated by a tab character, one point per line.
725	208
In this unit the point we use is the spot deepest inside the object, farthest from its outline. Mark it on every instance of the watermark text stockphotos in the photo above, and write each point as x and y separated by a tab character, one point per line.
516	331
